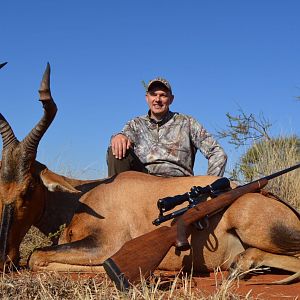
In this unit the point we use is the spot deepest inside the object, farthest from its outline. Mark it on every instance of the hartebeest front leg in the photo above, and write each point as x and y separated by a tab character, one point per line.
80	255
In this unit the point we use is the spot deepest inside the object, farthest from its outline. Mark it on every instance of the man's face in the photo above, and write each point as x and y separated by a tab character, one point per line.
159	99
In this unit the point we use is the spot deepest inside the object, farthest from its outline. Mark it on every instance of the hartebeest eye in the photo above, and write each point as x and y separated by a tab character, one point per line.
26	194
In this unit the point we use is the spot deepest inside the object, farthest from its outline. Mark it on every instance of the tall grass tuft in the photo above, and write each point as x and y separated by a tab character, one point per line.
270	156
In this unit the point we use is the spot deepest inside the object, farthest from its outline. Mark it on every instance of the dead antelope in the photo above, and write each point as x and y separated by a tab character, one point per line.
30	194
254	230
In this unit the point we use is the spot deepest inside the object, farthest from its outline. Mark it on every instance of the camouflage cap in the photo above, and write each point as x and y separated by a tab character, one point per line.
159	80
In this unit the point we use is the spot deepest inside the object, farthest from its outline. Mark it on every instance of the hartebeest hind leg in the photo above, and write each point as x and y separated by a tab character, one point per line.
253	257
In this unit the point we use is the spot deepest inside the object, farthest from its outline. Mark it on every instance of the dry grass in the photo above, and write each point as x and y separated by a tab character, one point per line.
269	157
28	285
33	239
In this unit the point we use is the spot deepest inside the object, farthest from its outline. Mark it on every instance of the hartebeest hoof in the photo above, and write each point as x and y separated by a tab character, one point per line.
2	65
37	260
244	262
44	91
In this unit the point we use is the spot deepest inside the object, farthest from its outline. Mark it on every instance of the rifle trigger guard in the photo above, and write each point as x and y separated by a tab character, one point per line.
202	223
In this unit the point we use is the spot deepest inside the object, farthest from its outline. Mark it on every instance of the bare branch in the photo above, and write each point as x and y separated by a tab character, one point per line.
245	129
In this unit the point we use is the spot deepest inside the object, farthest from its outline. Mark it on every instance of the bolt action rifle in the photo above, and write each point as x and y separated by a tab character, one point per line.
142	255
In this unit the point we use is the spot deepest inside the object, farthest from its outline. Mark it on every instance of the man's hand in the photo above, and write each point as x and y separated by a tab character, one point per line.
119	145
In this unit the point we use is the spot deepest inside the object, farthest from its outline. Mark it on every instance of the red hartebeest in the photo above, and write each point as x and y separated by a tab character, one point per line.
30	194
254	230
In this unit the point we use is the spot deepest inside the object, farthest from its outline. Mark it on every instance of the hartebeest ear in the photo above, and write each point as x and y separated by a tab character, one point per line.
56	183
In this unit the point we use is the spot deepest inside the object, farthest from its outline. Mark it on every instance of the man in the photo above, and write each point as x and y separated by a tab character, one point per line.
163	143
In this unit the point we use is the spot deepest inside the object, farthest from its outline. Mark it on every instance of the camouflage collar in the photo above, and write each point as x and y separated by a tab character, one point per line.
169	115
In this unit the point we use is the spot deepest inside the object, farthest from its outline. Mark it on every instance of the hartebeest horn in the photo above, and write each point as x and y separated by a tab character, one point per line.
32	140
2	65
8	136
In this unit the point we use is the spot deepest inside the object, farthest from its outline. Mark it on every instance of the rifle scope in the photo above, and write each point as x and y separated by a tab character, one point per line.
168	203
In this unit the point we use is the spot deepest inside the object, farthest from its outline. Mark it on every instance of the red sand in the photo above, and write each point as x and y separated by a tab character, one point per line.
210	283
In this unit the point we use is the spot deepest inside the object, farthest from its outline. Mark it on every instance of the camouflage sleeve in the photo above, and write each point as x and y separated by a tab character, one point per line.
209	147
129	131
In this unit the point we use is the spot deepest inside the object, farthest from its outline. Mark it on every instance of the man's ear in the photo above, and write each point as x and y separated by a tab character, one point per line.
146	97
171	99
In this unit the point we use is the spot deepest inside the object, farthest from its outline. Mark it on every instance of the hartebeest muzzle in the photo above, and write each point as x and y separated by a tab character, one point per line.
7	217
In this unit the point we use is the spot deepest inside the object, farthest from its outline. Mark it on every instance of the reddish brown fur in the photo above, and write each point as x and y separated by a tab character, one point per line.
127	206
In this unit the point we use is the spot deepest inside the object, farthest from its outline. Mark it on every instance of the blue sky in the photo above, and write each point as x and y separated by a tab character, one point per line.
218	56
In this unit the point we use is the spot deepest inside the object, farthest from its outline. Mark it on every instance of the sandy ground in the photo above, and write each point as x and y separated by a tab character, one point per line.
209	283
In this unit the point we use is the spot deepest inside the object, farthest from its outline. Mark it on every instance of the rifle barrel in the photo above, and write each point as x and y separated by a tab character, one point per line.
282	172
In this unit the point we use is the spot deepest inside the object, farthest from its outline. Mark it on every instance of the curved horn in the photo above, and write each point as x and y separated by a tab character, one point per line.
2	65
8	136
32	140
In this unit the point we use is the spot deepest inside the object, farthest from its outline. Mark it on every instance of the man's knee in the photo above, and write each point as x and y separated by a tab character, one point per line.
109	155
129	162
115	165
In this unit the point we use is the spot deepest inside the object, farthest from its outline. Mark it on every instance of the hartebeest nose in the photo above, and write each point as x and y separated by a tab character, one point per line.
7	217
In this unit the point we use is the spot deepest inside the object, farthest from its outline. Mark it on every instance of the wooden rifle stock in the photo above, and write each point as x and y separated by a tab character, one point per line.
142	255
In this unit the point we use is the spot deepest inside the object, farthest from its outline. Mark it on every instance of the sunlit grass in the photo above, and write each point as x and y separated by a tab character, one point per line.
52	285
272	157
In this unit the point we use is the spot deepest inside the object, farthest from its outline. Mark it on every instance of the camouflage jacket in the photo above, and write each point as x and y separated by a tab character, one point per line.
168	147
